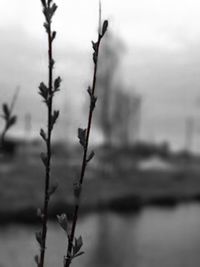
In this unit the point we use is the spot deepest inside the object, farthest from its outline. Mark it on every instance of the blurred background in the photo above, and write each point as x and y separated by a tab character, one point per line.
140	204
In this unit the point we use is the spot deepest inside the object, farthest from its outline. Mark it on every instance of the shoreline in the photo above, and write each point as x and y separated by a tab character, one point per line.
126	205
113	183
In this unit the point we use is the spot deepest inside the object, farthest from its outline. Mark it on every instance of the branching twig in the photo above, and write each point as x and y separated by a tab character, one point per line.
8	117
75	244
47	93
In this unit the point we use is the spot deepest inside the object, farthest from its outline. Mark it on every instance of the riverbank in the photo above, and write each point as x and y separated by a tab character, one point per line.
113	182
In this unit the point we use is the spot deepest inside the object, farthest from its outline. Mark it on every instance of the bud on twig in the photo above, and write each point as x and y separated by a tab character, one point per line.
82	136
64	223
104	28
44	158
91	155
38	236
54	118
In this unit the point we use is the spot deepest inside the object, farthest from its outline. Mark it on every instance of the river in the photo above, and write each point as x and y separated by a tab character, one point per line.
154	237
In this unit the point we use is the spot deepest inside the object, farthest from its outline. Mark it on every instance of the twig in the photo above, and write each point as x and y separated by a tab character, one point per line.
47	93
8	117
75	244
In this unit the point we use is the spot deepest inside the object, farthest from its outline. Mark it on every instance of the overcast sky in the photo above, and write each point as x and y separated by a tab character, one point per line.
161	59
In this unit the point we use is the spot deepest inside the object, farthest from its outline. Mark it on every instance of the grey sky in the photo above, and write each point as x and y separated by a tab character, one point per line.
161	61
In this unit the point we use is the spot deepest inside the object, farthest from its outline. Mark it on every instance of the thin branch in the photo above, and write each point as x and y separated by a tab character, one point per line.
84	134
47	93
8	117
99	30
14	100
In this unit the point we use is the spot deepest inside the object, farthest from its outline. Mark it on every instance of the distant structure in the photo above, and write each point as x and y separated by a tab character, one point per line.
118	111
27	126
189	133
108	72
126	118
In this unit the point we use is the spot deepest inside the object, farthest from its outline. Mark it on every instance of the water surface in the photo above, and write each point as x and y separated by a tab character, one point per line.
152	238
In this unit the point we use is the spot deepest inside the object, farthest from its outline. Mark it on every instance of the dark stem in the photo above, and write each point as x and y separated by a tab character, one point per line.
6	127
48	147
84	162
3	138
